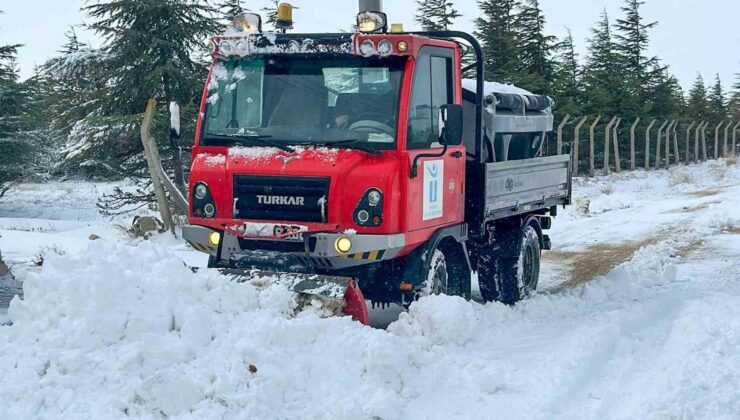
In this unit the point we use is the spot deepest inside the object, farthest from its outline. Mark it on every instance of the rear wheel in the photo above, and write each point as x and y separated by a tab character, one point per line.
510	279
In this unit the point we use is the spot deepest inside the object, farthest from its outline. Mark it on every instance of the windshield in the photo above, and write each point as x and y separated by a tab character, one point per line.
348	101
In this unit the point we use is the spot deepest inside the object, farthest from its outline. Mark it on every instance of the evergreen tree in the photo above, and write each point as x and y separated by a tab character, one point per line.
435	15
270	12
717	101
73	43
602	74
566	86
151	48
735	99
698	107
14	147
495	30
231	9
534	48
664	97
632	41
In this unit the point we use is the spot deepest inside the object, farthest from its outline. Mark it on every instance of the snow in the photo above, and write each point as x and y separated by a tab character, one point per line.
175	117
494	87
264	153
114	328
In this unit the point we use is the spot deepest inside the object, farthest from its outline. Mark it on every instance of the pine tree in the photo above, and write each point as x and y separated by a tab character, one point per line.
717	101
231	9
566	86
698	107
735	99
73	43
664	97
271	13
151	48
631	43
534	48
435	15
495	31
15	144
602	73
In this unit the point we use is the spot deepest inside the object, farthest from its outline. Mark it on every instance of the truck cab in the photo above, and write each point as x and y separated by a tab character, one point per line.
340	154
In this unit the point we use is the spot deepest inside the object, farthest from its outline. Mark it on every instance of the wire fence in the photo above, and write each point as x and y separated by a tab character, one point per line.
600	145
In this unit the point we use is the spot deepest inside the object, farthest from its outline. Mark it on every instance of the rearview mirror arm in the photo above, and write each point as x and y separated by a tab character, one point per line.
415	164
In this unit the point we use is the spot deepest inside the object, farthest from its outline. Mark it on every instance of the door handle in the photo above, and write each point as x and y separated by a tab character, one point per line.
456	155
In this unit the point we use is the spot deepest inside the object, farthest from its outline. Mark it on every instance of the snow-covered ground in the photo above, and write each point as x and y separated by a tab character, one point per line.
638	317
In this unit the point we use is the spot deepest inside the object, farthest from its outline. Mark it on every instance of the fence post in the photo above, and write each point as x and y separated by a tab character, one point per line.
725	152
716	139
659	140
615	140
152	160
591	165
704	142
688	141
632	143
668	133
576	145
560	133
647	143
607	137
734	138
696	142
675	143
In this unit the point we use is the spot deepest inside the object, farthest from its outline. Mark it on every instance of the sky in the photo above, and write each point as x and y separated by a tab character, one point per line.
692	35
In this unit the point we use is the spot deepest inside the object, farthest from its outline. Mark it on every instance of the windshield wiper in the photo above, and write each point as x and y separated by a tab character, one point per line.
255	137
353	144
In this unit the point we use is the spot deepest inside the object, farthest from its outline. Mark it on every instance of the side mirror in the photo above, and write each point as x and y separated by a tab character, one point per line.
451	125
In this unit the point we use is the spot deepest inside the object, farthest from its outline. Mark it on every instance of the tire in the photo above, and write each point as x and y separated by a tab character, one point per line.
510	279
447	272
437	281
488	274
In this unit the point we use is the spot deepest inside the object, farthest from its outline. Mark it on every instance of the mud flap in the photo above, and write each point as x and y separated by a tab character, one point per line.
339	294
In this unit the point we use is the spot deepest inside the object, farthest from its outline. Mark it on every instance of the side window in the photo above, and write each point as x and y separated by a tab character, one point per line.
432	88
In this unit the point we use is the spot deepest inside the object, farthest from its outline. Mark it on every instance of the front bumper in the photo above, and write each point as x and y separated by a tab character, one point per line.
315	250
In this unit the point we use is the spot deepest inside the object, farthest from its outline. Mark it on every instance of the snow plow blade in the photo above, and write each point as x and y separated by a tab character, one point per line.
342	295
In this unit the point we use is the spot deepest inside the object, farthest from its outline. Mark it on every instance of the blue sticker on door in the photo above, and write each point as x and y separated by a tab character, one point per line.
433	206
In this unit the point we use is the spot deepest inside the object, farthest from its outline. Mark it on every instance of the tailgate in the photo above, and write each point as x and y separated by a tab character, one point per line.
521	186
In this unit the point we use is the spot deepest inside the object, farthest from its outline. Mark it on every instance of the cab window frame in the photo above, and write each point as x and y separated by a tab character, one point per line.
426	87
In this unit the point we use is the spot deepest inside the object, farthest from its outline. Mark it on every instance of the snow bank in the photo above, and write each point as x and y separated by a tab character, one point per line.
136	333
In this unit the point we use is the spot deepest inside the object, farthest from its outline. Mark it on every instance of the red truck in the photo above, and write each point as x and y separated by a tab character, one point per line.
366	157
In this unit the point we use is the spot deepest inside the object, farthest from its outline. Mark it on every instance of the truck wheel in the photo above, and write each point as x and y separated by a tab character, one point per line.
437	278
488	274
499	277
518	276
448	273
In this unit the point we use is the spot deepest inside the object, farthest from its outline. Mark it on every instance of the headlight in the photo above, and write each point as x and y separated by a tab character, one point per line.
385	47
343	245
241	48
209	210
369	211
363	216
373	197
201	191
367	48
226	47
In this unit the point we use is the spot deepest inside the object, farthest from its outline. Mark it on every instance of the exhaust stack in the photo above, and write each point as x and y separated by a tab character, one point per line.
371	6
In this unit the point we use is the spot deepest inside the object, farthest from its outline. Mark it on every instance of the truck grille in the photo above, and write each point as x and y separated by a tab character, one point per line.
281	198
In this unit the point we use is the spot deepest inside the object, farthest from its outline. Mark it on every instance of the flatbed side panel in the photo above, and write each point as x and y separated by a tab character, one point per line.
519	186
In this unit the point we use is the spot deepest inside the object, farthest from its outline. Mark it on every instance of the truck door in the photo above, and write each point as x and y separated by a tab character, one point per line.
436	194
